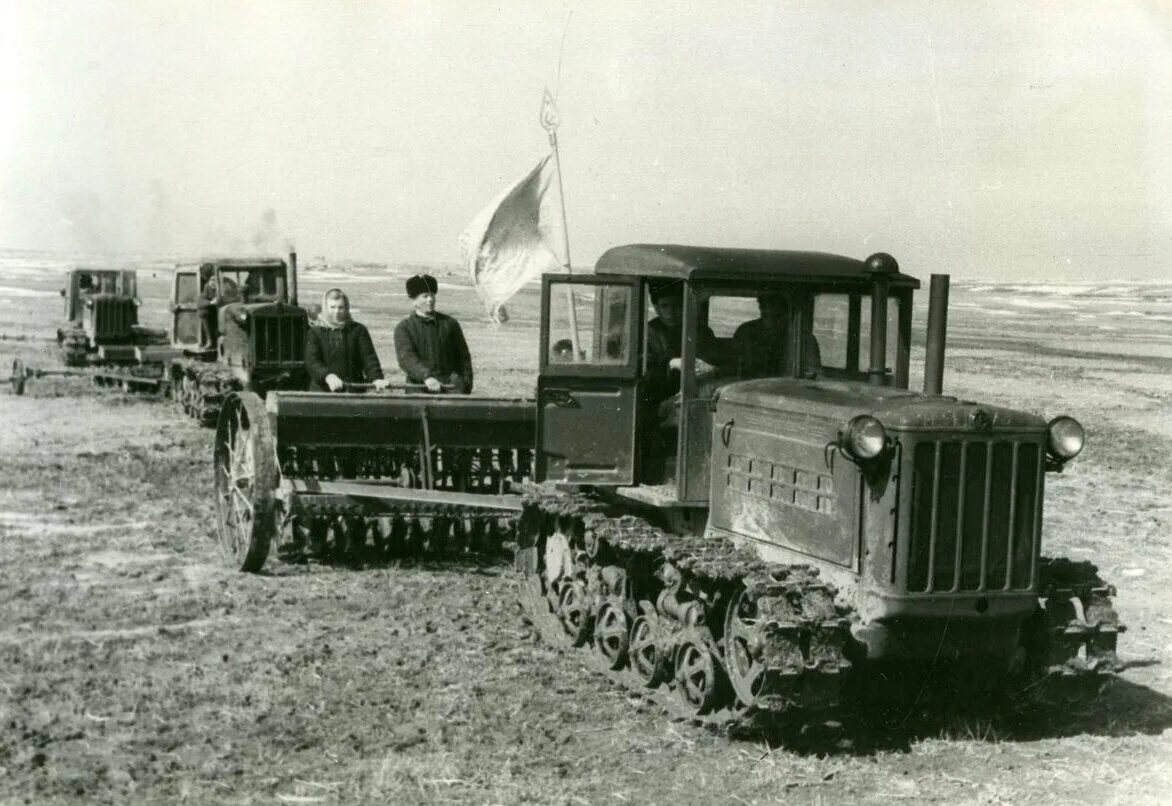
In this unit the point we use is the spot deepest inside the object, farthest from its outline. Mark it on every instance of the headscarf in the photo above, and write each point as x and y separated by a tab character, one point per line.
323	317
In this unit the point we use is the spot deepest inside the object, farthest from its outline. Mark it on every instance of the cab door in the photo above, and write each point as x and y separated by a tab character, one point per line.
185	324
588	386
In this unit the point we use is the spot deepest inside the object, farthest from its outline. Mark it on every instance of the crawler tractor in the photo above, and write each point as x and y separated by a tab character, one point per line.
101	330
766	536
235	326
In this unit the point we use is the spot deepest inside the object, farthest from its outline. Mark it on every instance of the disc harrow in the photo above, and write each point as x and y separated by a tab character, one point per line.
702	627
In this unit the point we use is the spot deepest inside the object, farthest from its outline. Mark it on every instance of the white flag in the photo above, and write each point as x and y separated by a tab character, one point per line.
508	242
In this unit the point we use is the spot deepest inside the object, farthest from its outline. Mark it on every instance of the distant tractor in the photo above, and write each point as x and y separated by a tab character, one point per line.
101	320
238	327
747	506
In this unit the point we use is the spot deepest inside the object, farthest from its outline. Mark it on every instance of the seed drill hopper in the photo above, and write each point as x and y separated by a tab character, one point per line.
363	476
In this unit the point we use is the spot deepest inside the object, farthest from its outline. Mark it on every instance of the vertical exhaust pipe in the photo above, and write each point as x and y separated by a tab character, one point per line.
292	278
880	266
937	331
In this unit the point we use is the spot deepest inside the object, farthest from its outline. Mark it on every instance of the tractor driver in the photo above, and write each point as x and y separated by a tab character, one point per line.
664	342
762	344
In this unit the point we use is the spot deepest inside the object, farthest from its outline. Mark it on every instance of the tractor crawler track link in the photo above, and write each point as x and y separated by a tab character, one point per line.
792	650
199	388
73	348
1079	625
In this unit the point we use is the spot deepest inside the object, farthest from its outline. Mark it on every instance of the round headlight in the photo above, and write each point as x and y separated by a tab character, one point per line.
866	437
1066	438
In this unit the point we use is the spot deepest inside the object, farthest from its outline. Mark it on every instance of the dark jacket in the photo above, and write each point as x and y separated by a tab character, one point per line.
763	351
434	348
346	352
663	344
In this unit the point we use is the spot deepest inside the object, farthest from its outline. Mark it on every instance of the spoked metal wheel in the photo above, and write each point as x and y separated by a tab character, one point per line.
574	612
696	675
746	670
246	480
647	662
612	633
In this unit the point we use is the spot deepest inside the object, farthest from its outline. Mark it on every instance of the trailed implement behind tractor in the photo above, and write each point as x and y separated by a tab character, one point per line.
368	477
776	527
235	326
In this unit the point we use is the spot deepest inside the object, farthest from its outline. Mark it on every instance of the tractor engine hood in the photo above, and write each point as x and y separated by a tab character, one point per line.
897	409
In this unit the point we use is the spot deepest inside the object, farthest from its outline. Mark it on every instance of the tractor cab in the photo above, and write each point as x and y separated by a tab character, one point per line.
242	314
201	296
635	356
84	285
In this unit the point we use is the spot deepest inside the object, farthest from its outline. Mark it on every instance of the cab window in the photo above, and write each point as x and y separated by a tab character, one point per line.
757	333
186	288
589	324
842	325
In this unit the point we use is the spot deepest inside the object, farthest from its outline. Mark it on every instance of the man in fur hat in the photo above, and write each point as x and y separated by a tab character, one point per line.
430	345
339	350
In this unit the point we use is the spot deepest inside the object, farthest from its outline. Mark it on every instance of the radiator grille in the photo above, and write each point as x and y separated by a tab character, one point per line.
113	318
974	515
278	339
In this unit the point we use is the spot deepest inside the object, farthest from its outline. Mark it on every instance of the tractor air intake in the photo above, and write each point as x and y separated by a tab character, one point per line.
278	339
113	318
975	515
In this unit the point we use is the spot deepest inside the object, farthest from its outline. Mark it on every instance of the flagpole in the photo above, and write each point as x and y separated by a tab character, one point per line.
549	121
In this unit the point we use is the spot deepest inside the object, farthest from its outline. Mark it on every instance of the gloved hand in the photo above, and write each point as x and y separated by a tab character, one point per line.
335	383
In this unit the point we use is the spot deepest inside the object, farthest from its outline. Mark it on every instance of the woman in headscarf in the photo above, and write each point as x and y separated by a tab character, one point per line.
339	350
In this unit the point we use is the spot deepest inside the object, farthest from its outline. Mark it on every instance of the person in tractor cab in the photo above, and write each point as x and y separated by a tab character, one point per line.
214	294
338	350
664	342
762	344
430	345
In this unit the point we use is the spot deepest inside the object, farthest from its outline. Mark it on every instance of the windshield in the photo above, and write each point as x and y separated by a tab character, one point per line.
245	284
99	282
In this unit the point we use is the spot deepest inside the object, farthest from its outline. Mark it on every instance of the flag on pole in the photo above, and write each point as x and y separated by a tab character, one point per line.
508	243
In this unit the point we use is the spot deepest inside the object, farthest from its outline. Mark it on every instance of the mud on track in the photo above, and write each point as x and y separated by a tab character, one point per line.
134	668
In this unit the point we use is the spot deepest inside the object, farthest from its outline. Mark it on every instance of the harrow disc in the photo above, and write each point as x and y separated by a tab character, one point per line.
246	480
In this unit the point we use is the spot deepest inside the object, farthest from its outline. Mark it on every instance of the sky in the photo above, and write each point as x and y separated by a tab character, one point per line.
1001	140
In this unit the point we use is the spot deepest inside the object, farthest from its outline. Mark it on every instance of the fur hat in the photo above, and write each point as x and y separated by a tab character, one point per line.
421	283
665	289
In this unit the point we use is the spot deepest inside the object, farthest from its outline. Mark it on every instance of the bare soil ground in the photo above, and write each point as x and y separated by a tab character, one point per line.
135	668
